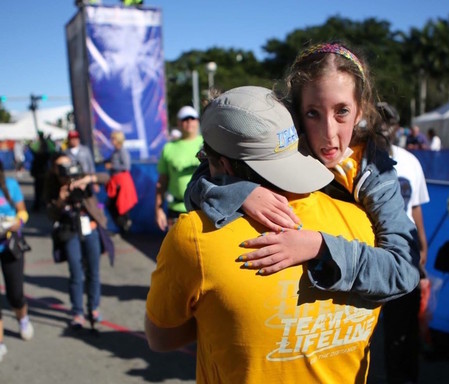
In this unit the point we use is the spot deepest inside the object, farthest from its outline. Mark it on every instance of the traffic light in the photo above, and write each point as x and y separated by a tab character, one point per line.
2	99
34	99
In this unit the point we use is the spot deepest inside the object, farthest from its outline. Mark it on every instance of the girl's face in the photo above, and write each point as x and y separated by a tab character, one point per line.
329	113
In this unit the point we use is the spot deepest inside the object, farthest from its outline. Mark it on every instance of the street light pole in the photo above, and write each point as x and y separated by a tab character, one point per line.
211	68
195	91
34	106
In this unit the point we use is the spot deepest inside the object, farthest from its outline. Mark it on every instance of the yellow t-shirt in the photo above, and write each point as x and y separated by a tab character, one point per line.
263	329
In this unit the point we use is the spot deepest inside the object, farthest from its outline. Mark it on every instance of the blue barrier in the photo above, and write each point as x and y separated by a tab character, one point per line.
434	164
7	158
436	221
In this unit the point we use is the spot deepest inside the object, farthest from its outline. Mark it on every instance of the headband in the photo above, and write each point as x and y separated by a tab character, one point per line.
333	48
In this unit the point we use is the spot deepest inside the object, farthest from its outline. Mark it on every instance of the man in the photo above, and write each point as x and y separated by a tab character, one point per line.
401	316
80	153
176	166
248	328
416	139
42	150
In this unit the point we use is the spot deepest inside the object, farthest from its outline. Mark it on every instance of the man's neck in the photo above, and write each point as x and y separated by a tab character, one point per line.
189	136
294	196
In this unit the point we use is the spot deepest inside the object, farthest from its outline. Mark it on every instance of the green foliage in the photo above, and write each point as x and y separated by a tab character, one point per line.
5	116
234	68
399	60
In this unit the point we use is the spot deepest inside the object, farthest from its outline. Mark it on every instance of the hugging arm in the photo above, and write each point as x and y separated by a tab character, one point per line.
225	198
388	270
379	273
219	198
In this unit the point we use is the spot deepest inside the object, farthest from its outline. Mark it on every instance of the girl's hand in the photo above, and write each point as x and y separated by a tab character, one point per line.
278	251
16	226
64	192
81	183
270	209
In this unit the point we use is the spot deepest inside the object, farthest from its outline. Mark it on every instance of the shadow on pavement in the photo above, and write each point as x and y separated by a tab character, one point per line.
125	345
147	243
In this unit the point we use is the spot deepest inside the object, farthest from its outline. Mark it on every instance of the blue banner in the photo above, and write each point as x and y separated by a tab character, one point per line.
127	79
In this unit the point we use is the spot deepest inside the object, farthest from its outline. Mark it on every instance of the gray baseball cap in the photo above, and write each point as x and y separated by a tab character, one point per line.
251	124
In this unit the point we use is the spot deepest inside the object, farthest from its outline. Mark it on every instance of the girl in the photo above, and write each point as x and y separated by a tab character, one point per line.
329	96
12	208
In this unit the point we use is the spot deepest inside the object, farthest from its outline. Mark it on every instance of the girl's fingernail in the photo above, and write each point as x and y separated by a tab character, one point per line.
248	264
299	226
281	230
263	234
242	258
260	272
243	244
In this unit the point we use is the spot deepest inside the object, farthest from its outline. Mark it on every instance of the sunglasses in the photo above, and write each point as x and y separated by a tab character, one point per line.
188	118
201	155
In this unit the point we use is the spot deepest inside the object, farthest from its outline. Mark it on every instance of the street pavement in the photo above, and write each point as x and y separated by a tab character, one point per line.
115	352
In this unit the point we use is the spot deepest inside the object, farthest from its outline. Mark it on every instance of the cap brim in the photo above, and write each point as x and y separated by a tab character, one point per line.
296	173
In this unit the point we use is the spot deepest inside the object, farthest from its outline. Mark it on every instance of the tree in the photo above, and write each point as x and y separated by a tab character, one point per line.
426	54
399	60
234	68
5	116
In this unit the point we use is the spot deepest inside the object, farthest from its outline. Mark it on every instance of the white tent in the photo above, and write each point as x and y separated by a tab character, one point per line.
24	126
438	120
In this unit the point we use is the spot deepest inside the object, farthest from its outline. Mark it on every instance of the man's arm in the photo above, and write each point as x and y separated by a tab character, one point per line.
161	188
169	339
419	222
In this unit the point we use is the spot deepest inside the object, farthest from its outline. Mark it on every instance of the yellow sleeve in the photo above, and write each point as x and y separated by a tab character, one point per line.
176	282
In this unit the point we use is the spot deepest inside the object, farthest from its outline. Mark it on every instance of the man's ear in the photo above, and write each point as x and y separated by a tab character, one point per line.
226	165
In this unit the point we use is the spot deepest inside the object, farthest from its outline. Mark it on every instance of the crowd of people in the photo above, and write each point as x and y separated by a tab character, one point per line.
66	184
294	195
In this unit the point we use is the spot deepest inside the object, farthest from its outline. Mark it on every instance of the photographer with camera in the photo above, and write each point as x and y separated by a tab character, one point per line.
79	234
14	215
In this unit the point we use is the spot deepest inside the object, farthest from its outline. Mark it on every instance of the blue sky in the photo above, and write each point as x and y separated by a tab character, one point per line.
33	55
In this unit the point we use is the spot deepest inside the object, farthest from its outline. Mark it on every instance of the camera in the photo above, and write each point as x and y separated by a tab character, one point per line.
70	171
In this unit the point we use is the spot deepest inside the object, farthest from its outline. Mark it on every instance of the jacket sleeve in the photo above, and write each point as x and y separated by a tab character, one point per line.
219	198
380	273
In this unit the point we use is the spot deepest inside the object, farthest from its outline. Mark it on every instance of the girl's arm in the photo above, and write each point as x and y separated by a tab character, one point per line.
221	199
380	273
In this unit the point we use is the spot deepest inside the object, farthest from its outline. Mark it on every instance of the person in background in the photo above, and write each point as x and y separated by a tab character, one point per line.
176	166
81	154
416	139
434	140
19	157
13	210
286	331
401	316
73	208
42	150
120	188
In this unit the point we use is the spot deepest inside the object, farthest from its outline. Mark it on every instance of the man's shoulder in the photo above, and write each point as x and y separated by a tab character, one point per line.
401	154
331	205
198	221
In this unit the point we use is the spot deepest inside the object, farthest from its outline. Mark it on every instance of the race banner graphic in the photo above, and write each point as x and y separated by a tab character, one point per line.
127	81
